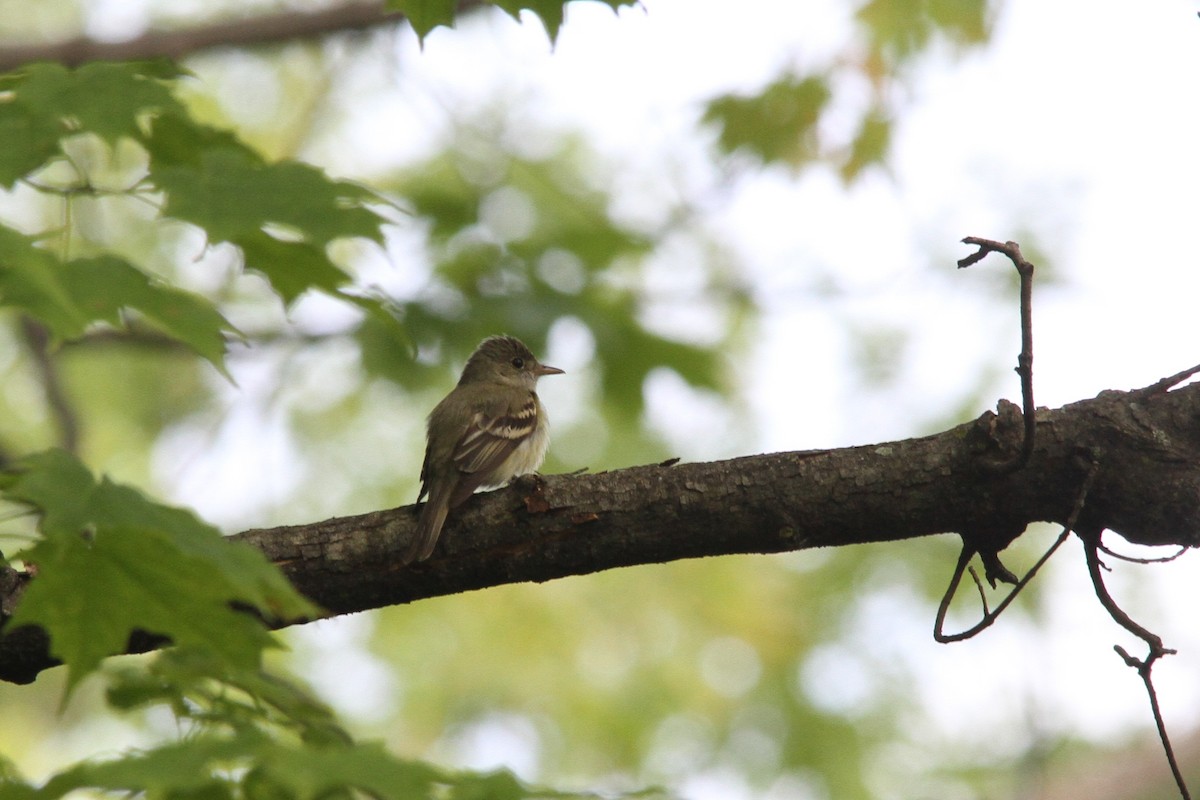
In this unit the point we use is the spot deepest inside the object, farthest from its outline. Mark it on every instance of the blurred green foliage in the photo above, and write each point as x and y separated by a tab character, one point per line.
896	30
252	735
557	254
788	121
146	234
110	562
104	316
777	124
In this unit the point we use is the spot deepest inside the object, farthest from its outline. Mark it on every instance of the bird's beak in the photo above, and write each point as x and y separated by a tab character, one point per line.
544	369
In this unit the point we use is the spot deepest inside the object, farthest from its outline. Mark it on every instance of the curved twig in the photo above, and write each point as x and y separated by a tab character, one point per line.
1025	358
1135	560
1091	550
37	339
1154	645
968	551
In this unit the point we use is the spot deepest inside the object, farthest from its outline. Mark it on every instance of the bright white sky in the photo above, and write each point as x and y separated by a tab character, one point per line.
1080	121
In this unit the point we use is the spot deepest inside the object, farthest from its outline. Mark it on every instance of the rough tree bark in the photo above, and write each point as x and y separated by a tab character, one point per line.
1146	489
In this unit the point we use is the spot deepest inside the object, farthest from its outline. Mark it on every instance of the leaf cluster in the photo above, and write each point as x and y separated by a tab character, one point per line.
250	735
66	126
110	562
425	15
110	565
793	120
568	260
113	567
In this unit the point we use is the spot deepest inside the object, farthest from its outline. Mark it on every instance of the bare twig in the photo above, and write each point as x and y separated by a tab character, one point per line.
1135	560
1092	552
133	334
1171	380
939	623
979	588
1154	645
968	552
1143	668
38	341
258	30
1025	358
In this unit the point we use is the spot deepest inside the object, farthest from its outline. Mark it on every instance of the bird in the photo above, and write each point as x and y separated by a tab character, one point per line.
490	429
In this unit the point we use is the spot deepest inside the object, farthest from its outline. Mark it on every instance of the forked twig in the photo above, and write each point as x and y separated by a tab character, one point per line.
1025	358
1143	669
1093	545
968	551
1095	570
1154	646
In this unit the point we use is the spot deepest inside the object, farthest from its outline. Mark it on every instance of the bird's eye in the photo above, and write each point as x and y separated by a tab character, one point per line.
518	362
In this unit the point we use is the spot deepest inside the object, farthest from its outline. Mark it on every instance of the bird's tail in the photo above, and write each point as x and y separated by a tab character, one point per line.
429	527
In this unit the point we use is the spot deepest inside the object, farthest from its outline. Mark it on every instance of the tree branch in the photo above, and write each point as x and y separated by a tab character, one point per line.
990	615
1025	357
1147	490
266	29
37	338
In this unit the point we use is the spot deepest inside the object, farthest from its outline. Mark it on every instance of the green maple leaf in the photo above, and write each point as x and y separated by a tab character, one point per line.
30	279
70	296
292	267
322	771
105	285
30	139
869	146
109	99
550	12
92	593
229	194
778	124
173	770
112	562
217	183
425	15
177	139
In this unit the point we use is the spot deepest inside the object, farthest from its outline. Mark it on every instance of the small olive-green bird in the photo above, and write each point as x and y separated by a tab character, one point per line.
490	429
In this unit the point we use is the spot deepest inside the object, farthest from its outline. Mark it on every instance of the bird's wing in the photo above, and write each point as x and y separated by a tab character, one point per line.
488	441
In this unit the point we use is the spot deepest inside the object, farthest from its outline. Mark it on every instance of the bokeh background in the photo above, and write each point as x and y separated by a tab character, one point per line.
735	226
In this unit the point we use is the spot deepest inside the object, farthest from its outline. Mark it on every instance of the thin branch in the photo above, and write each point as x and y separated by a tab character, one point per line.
266	29
1169	381
1135	560
133	334
979	588
1154	645
1025	358
968	551
84	188
1143	668
988	618
38	340
1092	552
